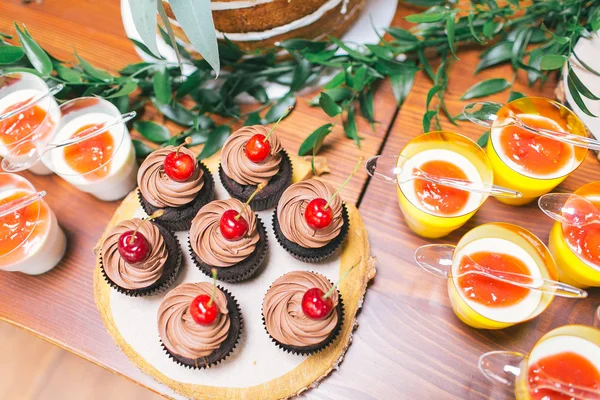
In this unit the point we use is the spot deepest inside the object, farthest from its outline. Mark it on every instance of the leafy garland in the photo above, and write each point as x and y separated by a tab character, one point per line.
538	39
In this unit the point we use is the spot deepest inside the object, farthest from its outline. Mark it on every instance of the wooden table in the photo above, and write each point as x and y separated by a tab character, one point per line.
409	344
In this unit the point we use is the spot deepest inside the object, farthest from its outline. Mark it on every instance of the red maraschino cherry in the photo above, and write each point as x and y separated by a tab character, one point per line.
179	166
258	147
318	306
318	214
133	246
232	225
203	308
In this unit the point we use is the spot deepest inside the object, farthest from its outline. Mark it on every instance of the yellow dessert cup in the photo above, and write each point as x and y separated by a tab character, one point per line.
422	222
571	268
531	187
522	238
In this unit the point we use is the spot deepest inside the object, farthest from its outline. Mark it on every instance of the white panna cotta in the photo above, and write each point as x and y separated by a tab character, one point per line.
562	171
408	187
120	178
513	313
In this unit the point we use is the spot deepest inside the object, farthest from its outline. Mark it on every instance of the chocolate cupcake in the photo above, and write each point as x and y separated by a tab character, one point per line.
292	229
241	176
287	324
234	259
180	200
192	344
157	270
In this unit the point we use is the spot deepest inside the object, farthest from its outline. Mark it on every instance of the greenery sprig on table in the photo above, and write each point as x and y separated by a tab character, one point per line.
537	38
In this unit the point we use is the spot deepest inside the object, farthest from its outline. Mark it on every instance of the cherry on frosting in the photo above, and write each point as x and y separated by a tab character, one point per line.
232	225
317	214
315	305
204	310
258	147
179	166
133	247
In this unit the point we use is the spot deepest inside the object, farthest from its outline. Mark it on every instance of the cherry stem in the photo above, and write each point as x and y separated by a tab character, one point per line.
155	214
330	292
358	164
286	112
188	140
260	187
214	289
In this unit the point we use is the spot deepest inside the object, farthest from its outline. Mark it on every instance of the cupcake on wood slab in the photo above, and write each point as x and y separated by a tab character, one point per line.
172	180
227	236
303	312
199	324
140	257
253	155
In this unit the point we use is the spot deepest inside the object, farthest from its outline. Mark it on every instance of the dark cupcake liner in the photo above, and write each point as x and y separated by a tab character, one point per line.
316	348
180	218
241	271
312	255
225	349
269	196
168	277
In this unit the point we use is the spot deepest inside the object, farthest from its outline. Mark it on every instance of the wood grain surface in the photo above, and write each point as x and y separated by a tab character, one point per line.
409	344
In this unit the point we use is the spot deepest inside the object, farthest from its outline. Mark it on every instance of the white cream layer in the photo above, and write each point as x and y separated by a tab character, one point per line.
567	168
458	160
234	5
566	343
514	313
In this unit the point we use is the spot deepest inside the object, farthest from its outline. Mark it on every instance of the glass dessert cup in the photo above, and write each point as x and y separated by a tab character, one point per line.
460	151
22	118
563	364
574	267
103	165
31	241
508	173
498	275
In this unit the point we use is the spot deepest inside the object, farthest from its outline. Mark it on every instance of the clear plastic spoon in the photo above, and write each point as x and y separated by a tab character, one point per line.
22	202
569	209
33	101
17	161
437	260
386	169
484	113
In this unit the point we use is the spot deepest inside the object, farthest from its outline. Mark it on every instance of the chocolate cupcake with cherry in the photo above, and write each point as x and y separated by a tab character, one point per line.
173	180
199	324
303	312
228	236
140	257
253	155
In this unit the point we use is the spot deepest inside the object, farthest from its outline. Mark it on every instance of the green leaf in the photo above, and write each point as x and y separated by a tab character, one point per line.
427	120
495	55
215	141
122	103
483	139
304	44
315	140
432	92
351	52
38	58
93	72
336	81
195	18
134	68
424	62
514	96
402	35
142	150
126	88
402	83
486	88
280	107
301	73
552	61
259	93
152	131
337	95
350	126
450	34
472	28
535	59
365	101
380	51
584	65
253	119
145	49
162	85
328	105
175	112
425	17
169	36
426	3
70	75
489	28
579	86
144	18
10	54
192	82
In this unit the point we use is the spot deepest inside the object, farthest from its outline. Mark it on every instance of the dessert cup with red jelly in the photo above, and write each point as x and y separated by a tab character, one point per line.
103	165
527	162
25	123
30	239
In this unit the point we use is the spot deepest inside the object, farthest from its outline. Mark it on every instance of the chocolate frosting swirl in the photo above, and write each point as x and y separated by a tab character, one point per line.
238	166
160	190
178	330
282	310
290	213
208	242
139	275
